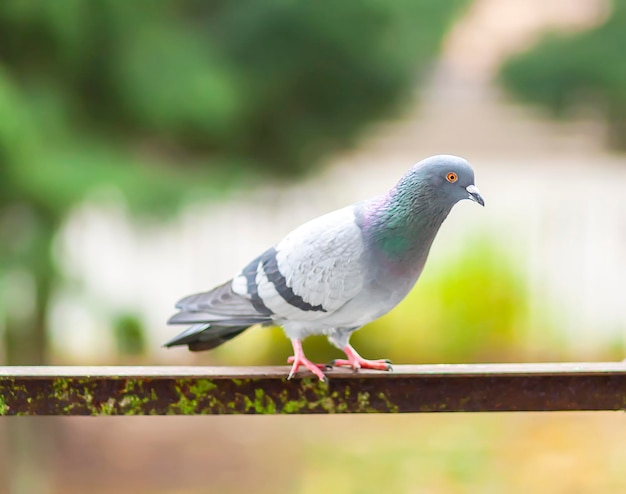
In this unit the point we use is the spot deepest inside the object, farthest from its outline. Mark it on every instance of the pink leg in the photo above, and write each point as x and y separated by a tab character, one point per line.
357	362
299	359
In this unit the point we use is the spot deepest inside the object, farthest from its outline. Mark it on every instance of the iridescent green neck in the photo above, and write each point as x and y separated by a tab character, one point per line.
402	225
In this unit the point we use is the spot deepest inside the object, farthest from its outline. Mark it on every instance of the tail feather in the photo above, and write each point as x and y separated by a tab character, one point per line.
206	336
215	316
220	301
202	317
200	345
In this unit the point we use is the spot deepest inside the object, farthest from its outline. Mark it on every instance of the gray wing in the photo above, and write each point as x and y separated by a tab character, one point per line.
218	315
312	272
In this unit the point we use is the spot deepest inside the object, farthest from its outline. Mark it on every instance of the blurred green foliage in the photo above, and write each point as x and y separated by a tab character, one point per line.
564	73
167	99
129	335
277	82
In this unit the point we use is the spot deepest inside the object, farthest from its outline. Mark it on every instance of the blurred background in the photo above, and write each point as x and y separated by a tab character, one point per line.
149	149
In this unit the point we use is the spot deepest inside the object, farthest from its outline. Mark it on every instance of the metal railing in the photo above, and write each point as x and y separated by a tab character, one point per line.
265	390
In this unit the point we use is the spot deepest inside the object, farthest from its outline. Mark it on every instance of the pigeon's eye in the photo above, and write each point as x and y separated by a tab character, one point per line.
452	177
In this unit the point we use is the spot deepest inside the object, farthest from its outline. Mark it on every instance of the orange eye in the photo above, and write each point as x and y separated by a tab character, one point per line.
451	177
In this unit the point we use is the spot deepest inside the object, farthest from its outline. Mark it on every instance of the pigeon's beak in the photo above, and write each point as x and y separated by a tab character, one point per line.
474	194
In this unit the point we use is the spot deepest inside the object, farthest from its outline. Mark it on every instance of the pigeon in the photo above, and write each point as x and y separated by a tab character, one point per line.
335	273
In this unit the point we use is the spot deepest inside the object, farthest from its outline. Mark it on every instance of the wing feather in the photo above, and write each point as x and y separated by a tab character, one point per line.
320	264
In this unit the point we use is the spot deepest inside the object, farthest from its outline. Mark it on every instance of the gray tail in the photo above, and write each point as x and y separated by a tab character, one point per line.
206	336
215	316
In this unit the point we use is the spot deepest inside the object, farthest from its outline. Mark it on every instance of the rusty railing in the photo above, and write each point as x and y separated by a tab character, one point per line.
265	390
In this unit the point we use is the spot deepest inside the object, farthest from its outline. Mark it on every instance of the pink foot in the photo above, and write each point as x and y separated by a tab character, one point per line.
357	362
299	359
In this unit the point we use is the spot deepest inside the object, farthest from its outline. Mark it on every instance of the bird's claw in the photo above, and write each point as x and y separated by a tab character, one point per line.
314	368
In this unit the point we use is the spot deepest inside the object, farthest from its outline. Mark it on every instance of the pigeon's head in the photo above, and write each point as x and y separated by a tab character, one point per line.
447	178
